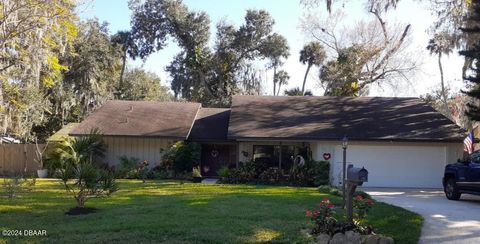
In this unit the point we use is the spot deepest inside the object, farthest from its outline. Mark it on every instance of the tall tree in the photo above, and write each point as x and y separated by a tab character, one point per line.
385	4
472	58
441	44
201	73
124	40
94	68
33	34
276	50
378	51
281	77
139	84
311	54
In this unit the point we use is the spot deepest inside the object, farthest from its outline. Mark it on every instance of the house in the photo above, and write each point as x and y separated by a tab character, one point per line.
403	142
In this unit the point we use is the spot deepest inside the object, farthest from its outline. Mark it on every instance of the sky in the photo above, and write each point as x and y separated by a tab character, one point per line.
287	15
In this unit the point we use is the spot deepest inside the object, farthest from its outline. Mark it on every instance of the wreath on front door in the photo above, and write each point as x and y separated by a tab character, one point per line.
214	153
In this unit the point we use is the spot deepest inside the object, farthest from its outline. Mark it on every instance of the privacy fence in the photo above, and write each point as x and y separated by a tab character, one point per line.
18	158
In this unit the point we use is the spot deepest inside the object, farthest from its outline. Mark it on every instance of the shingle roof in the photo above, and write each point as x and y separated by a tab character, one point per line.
141	118
211	124
330	118
63	132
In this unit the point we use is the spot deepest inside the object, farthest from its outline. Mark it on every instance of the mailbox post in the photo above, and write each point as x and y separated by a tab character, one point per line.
355	177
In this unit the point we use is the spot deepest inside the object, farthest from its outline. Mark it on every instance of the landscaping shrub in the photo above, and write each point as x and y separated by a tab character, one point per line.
330	190
245	173
313	173
362	194
82	175
17	185
270	176
52	160
324	222
182	156
143	170
361	207
196	172
223	172
156	174
322	218
127	168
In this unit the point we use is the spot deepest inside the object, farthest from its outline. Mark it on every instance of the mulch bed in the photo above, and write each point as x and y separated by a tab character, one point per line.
80	211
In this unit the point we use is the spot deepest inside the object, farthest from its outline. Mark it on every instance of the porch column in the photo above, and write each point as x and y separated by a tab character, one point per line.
280	156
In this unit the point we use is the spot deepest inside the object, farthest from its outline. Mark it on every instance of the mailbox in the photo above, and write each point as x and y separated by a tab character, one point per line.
357	175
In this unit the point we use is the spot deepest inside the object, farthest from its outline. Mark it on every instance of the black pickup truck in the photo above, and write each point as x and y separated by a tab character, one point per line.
462	177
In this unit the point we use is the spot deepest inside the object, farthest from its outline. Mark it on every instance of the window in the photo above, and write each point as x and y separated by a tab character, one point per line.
288	155
267	154
279	156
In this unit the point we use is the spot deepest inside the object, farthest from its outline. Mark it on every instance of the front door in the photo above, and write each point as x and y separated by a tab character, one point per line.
216	156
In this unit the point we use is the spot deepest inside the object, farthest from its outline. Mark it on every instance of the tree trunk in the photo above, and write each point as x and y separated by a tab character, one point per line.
80	201
305	78
120	84
274	80
442	82
3	112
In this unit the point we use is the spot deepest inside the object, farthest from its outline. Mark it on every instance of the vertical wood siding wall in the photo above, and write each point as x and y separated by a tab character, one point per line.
18	158
142	148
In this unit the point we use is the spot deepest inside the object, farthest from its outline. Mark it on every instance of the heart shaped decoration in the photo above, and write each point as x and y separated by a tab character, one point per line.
214	153
327	156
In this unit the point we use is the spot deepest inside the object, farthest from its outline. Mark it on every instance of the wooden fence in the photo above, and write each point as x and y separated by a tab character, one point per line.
18	158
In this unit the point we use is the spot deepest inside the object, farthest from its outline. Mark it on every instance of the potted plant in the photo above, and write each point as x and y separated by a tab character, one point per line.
42	173
196	175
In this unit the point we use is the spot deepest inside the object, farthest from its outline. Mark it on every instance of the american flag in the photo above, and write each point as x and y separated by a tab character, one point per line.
468	144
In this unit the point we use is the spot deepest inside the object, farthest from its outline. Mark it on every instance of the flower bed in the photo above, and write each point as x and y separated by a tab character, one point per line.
326	228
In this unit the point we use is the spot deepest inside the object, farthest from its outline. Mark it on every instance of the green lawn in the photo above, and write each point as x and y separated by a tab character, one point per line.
183	213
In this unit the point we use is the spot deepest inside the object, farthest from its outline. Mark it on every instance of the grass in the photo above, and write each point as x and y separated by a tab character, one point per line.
170	212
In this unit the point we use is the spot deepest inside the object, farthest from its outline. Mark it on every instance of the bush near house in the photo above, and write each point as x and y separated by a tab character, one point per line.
181	157
313	173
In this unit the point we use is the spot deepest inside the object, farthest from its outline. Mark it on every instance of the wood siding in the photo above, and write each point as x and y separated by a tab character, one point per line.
142	148
18	158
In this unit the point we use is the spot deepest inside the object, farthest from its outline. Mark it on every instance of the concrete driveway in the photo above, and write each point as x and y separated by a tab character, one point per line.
445	221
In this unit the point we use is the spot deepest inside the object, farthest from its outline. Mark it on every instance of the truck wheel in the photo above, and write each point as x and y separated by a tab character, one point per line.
451	190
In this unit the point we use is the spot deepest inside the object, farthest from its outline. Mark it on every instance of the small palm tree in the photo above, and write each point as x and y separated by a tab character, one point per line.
311	54
80	171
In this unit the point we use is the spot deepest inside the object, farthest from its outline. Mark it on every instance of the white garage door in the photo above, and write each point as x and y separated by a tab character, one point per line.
396	166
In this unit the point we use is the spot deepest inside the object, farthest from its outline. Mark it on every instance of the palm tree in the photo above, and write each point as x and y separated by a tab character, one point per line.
276	51
311	54
79	170
441	44
297	92
124	39
281	77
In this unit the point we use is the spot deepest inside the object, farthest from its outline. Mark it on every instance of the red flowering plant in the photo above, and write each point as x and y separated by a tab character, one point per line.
322	217
361	207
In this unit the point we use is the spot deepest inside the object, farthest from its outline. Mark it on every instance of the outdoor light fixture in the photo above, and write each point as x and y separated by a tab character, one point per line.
344	142
344	146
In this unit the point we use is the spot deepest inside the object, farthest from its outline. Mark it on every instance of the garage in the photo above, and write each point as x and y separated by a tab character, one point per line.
418	165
